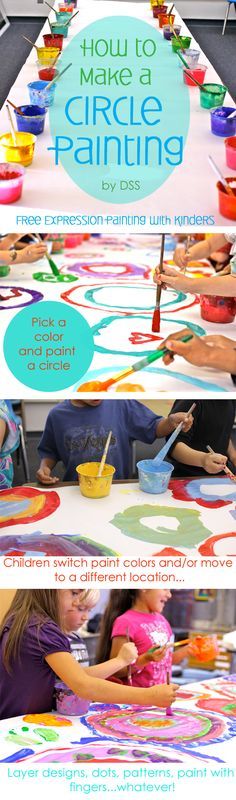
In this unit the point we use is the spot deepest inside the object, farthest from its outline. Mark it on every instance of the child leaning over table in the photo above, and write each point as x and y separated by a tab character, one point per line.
76	432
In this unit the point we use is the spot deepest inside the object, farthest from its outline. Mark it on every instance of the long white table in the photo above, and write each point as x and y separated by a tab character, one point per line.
191	188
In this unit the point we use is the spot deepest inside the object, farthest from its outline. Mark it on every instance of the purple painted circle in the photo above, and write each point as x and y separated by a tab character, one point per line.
34	297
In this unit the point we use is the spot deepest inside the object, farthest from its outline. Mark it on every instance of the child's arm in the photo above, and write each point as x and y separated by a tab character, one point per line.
210	462
231	452
220	285
3	431
44	471
141	661
28	255
201	353
166	425
127	654
8	240
200	250
70	672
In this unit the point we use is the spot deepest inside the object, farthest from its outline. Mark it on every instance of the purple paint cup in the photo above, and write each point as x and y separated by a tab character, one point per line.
220	124
33	119
69	703
168	32
40	95
192	58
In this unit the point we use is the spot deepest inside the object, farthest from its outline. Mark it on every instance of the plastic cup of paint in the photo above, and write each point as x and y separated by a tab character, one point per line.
46	72
89	483
217	309
53	40
220	124
33	119
4	270
69	703
164	19
11	183
212	95
48	55
66	8
22	152
60	28
227	202
182	41
154	478
230	147
63	16
168	33
158	10
40	95
192	58
198	72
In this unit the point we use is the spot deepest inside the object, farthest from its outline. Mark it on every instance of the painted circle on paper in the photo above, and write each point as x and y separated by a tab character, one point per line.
126	298
121	113
17	297
50	351
23	504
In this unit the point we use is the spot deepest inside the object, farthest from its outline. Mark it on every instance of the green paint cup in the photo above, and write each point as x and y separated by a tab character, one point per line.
182	42
4	270
212	95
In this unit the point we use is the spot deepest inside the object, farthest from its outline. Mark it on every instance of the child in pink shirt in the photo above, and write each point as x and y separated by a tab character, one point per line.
136	615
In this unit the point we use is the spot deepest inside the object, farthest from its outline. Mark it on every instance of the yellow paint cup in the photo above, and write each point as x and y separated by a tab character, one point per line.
22	152
90	484
46	55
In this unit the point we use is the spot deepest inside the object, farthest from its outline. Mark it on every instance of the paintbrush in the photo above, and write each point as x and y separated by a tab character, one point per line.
129	676
51	7
164	450
169	644
29	40
104	455
57	78
70	20
13	132
144	362
170	12
51	263
220	176
16	108
156	314
232	115
187	246
200	85
224	469
177	37
169	712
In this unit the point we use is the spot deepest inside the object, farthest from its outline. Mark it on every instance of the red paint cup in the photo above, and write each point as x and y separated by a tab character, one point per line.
197	72
53	40
47	73
164	19
11	183
221	310
230	147
227	202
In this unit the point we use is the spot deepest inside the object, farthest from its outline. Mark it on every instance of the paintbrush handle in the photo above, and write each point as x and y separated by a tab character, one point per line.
51	7
29	40
104	455
16	108
155	355
159	287
57	78
220	176
171	9
183	60
13	132
70	20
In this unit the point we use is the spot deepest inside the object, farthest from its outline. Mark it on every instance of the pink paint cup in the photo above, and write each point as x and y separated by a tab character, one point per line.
227	202
230	147
11	183
157	10
197	72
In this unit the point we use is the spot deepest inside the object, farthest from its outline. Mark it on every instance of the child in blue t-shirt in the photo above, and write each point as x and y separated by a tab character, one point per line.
76	432
9	440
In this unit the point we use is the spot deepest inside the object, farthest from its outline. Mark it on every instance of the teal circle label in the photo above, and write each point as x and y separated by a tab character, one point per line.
48	349
121	112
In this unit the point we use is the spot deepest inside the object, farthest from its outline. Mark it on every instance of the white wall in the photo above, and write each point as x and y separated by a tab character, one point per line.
26	8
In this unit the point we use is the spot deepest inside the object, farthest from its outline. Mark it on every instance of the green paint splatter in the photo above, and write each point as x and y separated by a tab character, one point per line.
190	531
47	734
18	739
25	728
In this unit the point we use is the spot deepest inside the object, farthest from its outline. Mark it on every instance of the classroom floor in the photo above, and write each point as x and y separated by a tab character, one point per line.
221	50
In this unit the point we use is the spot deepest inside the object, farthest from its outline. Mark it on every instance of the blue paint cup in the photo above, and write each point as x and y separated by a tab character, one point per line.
220	124
33	119
40	95
60	27
154	478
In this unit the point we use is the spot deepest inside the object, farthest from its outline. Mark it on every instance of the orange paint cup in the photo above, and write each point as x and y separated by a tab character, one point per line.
227	202
21	153
164	19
